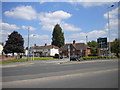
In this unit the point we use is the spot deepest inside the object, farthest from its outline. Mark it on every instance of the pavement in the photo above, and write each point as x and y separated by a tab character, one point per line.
16	64
83	74
59	61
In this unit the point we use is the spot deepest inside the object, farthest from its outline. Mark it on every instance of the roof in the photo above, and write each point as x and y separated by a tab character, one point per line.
77	46
45	47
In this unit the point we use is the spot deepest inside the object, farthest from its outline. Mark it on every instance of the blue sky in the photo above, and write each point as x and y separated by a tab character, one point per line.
76	20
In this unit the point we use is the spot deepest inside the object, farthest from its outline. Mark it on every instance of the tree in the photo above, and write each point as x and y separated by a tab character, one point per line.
58	36
14	44
93	45
115	48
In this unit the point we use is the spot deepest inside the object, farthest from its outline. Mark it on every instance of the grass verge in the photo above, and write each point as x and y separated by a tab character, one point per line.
24	60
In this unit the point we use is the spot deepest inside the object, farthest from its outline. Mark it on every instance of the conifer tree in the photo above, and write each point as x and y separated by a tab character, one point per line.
58	36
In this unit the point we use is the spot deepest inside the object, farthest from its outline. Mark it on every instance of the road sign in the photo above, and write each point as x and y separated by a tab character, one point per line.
68	47
102	42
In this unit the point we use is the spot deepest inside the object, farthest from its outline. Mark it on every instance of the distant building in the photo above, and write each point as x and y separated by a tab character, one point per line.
45	51
79	49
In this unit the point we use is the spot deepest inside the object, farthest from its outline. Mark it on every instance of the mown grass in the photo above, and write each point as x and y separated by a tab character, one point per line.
25	60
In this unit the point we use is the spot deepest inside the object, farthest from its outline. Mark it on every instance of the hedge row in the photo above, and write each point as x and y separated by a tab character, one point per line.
99	57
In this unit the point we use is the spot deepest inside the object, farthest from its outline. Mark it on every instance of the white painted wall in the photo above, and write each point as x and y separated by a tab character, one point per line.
54	51
1	48
26	52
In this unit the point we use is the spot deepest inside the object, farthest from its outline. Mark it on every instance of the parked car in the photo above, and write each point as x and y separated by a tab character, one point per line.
75	58
58	56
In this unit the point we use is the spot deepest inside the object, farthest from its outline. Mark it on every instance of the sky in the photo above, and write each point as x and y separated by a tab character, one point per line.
77	20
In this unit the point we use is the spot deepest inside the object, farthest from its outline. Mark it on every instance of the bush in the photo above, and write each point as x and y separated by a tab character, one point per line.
98	57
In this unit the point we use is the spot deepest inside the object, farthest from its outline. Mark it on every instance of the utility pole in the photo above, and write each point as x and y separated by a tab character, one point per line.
109	29
28	43
87	45
33	48
69	51
86	39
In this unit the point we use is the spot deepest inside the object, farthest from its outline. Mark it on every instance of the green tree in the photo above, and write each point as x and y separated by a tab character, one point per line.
93	45
14	44
58	36
115	48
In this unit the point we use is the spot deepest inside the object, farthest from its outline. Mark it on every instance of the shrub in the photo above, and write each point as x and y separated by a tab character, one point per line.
98	57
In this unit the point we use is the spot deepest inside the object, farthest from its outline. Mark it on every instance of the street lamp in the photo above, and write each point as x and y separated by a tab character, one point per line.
28	43
33	48
87	45
109	28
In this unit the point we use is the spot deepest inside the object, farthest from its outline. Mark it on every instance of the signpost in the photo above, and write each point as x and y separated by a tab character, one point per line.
69	51
102	44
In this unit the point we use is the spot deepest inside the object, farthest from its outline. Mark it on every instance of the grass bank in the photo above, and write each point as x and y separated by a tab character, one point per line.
25	60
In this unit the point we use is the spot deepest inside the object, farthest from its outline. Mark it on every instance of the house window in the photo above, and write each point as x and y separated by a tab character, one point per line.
73	49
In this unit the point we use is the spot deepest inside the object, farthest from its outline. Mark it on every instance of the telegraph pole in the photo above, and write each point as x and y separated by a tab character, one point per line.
28	43
87	45
109	29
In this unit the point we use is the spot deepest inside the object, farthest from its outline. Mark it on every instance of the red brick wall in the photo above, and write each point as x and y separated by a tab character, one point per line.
4	58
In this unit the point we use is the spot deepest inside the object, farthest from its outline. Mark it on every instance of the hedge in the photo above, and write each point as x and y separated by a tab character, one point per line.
99	57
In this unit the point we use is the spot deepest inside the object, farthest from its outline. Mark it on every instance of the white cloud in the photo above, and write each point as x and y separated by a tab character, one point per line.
58	15
36	36
49	20
113	17
96	33
77	35
53	17
4	35
91	4
69	27
28	27
113	14
4	32
23	12
87	4
91	35
6	26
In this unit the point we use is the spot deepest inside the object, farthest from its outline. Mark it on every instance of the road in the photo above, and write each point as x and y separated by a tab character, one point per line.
84	74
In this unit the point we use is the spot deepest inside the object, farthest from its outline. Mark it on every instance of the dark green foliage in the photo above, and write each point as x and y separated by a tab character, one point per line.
115	47
93	45
14	44
58	36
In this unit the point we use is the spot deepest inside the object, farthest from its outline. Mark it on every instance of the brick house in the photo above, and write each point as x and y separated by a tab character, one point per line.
79	49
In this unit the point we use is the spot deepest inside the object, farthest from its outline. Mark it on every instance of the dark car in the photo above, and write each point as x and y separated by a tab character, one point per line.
75	58
58	56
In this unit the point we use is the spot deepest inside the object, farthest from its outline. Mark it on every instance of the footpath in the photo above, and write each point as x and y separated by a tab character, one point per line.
58	61
16	64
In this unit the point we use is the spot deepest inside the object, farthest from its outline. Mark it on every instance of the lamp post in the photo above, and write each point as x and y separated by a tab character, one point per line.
69	51
33	48
109	28
28	43
87	45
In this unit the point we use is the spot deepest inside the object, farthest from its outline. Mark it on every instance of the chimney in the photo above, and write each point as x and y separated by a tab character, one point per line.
34	45
73	41
45	44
